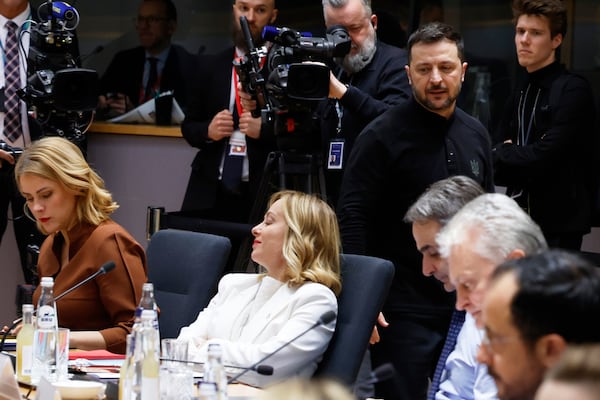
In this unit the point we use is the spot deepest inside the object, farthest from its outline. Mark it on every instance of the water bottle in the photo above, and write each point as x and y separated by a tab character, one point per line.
214	371
45	336
148	347
207	391
126	370
147	302
25	345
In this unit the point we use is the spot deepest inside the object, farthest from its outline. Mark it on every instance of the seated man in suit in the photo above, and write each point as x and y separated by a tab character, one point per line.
139	74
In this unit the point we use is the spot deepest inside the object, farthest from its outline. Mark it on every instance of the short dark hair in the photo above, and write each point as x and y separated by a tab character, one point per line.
554	10
171	10
434	32
558	292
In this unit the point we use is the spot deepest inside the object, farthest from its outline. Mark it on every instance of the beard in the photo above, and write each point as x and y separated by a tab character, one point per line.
355	63
448	103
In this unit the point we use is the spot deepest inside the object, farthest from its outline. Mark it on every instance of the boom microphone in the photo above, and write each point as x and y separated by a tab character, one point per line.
106	267
325	318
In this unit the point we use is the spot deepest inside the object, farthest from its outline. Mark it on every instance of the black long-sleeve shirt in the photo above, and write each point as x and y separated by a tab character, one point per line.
394	160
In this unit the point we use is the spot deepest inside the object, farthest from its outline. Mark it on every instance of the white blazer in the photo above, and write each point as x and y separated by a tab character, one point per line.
286	313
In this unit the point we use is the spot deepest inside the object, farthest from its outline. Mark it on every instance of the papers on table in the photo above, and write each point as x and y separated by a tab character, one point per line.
145	113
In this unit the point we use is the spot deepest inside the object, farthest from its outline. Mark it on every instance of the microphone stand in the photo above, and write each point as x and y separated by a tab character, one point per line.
324	319
106	267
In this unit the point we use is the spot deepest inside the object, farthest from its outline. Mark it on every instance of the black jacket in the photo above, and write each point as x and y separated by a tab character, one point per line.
550	162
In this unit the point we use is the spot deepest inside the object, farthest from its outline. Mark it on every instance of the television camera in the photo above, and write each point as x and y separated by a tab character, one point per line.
298	79
61	96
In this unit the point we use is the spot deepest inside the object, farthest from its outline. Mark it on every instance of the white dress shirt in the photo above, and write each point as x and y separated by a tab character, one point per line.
463	377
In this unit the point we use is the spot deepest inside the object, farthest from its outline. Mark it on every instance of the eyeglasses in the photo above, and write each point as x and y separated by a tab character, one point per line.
137	21
491	343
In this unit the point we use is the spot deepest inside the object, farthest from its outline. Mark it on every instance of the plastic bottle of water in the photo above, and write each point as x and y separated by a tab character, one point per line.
45	336
147	302
145	367
214	371
126	370
207	391
25	345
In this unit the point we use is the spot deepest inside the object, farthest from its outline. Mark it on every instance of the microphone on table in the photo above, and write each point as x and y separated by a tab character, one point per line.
106	267
260	369
258	366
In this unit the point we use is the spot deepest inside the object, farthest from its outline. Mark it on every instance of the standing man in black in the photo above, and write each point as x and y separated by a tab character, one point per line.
395	158
15	125
368	81
232	145
547	139
137	75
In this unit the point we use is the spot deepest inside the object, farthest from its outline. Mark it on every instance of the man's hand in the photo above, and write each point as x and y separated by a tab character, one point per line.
336	88
6	157
114	104
375	334
221	125
249	125
248	103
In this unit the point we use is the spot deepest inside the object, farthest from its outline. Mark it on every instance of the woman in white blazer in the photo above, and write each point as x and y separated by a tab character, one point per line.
253	315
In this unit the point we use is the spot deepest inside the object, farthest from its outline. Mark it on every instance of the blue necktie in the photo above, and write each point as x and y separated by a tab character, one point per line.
456	323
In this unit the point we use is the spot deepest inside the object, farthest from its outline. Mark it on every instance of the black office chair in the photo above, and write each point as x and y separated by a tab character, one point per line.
365	285
185	268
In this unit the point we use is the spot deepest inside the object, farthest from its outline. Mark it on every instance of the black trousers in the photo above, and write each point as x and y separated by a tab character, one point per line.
26	232
412	343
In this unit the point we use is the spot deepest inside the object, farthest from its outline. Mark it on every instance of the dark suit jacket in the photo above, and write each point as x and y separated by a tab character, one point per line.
211	91
125	73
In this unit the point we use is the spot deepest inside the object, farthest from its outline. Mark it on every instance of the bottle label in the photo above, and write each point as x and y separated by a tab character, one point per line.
46	317
26	361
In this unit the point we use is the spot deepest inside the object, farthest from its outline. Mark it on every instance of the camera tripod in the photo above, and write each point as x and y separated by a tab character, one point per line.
283	170
295	171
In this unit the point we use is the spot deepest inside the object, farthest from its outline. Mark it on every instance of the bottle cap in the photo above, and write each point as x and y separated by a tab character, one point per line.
207	387
27	308
148	286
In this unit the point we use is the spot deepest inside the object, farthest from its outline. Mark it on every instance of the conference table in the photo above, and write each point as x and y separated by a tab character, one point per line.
101	367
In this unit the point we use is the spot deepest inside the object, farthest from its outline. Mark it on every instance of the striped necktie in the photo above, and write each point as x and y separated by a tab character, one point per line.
12	78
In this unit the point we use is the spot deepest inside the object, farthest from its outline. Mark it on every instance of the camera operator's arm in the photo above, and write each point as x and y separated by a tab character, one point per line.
6	157
336	88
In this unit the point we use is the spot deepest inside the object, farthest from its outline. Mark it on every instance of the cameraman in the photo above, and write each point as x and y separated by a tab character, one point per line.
368	80
15	131
232	145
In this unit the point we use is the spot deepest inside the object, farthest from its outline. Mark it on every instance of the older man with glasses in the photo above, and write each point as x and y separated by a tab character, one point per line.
139	74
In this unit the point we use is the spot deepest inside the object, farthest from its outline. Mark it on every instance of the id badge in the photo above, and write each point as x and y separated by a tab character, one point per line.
237	144
336	154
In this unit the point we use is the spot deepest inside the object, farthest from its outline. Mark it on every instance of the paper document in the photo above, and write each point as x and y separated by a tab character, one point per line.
145	113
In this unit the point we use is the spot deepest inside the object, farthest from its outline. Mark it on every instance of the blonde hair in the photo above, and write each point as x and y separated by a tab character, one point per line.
307	389
311	246
59	160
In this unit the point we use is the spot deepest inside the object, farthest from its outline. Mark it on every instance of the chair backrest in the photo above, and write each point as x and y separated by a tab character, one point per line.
184	267
365	284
